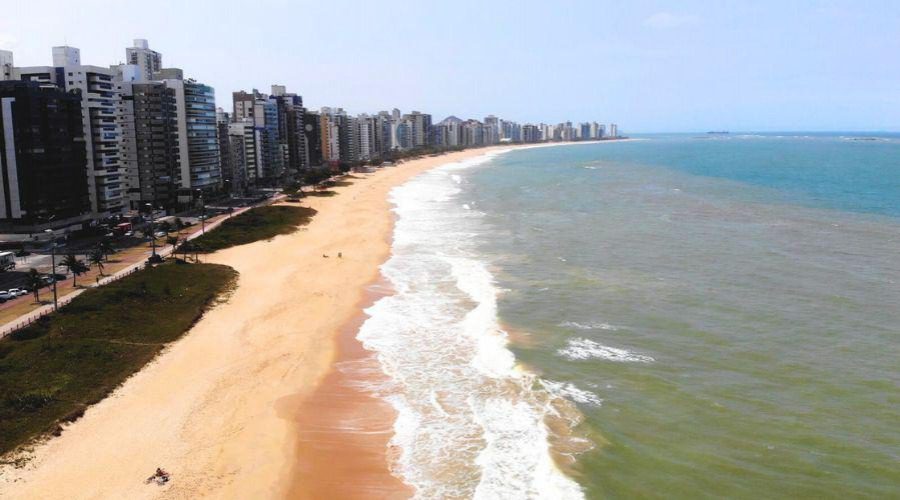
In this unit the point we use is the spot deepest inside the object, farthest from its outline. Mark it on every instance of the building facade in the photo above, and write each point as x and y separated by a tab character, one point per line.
149	62
150	146
99	103
43	175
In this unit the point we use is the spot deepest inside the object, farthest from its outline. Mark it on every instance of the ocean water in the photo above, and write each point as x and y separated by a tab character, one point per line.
688	317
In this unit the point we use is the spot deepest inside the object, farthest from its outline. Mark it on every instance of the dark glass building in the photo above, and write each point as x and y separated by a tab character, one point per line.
43	172
313	139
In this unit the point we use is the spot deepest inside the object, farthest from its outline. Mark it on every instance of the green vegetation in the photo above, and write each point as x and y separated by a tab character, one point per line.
256	224
75	266
52	370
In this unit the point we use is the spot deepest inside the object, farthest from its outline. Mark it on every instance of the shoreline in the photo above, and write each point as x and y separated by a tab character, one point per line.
364	447
219	408
216	407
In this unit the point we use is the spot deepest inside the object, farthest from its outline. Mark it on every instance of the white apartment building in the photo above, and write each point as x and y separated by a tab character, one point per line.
366	136
107	181
148	61
6	65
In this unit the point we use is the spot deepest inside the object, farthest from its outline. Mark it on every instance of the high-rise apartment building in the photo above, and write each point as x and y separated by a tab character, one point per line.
584	132
226	160
382	144
419	125
333	139
43	175
244	142
531	133
366	136
198	147
150	144
290	129
99	103
6	65
348	129
148	62
312	138
276	119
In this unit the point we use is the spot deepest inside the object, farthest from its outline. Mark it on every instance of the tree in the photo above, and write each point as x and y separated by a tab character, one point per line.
165	227
96	259
187	246
75	266
106	248
174	241
34	282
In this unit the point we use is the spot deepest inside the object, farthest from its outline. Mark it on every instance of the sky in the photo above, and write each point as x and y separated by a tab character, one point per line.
649	66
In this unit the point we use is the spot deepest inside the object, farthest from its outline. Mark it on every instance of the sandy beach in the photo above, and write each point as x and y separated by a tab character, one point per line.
226	409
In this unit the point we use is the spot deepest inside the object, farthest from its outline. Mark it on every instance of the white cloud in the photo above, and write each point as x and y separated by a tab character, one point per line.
663	20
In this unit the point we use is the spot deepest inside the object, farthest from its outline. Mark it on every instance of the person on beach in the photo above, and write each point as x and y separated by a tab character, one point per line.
159	477
340	255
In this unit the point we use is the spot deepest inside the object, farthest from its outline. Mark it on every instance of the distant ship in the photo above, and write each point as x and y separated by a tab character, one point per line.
718	132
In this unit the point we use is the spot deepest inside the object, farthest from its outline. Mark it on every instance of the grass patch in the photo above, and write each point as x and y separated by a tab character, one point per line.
256	224
52	370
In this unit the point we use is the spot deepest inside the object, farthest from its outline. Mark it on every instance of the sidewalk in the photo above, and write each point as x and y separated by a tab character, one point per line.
20	312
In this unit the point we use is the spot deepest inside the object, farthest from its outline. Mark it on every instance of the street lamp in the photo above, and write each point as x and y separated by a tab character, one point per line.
53	265
203	212
152	231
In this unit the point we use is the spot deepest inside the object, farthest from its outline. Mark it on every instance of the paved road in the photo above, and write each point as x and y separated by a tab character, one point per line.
163	250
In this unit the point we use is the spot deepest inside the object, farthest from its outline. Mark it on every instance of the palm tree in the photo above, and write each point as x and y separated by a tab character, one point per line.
106	248
186	247
75	266
96	259
34	281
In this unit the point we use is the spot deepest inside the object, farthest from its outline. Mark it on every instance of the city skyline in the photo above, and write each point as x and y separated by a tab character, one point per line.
656	67
153	136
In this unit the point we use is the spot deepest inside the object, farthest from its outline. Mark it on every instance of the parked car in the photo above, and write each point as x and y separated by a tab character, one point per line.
128	234
161	234
17	292
5	295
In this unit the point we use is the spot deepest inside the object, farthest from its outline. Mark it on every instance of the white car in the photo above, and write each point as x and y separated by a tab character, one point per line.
5	295
18	292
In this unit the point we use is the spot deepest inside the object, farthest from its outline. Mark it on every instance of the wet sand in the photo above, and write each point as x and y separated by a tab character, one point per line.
247	404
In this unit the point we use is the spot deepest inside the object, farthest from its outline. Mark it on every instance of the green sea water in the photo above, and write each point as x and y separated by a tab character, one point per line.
725	312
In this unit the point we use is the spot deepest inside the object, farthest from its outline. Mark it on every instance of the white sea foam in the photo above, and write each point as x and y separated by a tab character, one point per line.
572	392
588	326
581	349
470	424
